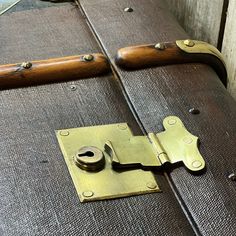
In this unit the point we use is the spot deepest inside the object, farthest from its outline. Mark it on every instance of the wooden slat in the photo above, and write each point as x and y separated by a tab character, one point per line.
201	19
229	47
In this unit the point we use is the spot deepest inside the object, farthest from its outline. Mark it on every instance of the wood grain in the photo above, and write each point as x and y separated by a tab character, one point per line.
229	47
200	19
52	70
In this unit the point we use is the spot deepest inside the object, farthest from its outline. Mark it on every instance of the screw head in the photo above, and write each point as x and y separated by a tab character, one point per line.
122	126
128	9
188	140
151	185
88	194
64	133
73	87
88	57
194	111
172	121
189	43
232	176
160	46
26	64
196	164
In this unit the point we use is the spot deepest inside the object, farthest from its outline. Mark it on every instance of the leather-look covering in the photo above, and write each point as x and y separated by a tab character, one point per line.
37	196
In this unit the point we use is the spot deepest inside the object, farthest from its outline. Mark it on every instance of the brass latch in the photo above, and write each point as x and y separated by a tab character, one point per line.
98	156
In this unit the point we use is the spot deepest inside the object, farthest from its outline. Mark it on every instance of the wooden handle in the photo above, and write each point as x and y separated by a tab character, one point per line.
52	70
144	56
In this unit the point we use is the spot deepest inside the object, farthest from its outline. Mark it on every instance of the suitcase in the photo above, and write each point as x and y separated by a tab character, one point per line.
38	195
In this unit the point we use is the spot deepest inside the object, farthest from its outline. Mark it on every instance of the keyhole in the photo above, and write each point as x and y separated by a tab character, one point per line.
86	154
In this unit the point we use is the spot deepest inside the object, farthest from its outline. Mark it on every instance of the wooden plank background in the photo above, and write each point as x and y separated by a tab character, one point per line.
229	46
205	20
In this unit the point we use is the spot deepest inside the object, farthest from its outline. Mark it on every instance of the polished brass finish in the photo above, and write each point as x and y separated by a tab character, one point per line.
160	46
88	57
109	149
173	145
199	47
26	65
107	183
189	42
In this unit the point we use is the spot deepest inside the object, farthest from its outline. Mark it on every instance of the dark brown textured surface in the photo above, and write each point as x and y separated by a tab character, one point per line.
37	196
173	90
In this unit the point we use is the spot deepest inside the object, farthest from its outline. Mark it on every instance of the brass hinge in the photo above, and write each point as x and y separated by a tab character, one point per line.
98	156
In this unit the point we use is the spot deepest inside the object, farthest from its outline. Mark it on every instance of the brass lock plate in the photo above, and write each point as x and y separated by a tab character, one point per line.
90	166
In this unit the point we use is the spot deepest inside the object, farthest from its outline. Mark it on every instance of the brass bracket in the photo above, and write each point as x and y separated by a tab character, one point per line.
195	46
98	156
202	48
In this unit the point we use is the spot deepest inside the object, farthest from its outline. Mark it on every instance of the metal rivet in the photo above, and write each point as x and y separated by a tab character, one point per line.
88	194
122	126
196	164
128	9
232	177
88	57
160	46
188	140
189	43
64	133
73	87
26	64
172	121
194	111
151	185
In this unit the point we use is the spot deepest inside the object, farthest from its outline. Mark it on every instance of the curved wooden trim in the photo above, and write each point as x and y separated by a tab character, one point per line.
52	70
143	56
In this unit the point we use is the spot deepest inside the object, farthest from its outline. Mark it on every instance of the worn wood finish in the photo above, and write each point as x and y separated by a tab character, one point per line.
201	19
52	70
229	47
143	56
208	199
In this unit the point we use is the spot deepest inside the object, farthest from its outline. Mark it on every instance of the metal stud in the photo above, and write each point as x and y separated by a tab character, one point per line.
73	87
88	57
26	64
232	177
128	9
160	46
189	43
194	111
88	193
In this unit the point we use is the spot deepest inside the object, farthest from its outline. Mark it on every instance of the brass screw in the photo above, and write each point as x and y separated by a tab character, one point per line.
189	43
172	121
88	194
196	164
88	57
151	185
26	64
64	133
160	46
122	126
188	140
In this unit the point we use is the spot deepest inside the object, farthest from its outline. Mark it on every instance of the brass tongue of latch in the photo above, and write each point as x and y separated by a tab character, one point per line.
97	158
